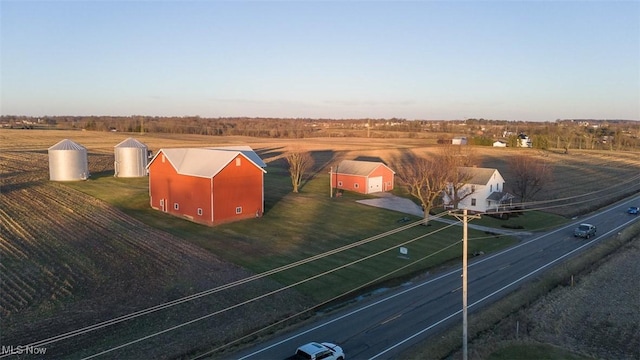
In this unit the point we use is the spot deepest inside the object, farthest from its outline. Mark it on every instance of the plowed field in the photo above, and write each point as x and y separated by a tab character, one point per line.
69	260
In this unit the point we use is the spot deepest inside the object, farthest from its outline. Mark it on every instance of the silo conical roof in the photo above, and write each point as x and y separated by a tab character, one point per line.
131	143
67	144
131	158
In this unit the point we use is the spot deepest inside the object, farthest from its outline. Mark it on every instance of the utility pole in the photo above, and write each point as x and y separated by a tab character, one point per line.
331	182
465	219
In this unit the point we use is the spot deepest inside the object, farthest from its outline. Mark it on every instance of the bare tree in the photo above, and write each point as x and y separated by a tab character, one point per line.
458	158
299	162
530	175
457	189
426	178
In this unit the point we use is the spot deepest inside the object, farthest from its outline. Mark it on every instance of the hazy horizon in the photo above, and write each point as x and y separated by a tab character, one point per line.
420	60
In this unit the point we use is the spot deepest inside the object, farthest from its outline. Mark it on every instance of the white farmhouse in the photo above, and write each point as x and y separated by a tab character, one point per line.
524	141
482	192
459	140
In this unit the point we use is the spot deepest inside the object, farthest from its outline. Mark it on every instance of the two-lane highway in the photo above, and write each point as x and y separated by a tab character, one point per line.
385	324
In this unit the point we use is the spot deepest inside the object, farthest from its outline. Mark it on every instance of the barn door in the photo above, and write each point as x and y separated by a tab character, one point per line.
375	184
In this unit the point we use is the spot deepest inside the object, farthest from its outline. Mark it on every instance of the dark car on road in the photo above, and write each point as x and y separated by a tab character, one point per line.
585	230
633	210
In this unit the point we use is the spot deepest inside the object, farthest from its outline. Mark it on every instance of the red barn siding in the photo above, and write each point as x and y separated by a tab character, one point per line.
239	184
360	184
188	192
351	183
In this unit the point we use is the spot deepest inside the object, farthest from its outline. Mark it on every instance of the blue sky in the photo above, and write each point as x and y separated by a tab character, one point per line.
511	60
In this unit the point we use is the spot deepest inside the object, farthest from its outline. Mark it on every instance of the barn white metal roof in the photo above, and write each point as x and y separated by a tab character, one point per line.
202	162
245	150
357	167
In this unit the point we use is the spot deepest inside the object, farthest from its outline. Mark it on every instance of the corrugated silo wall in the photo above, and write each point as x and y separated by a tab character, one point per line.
68	165
130	162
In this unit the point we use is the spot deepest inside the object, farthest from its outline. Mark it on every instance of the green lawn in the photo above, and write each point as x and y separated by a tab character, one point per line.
298	226
527	220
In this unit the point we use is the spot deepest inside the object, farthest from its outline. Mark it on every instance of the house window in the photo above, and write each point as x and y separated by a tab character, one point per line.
176	206
473	202
339	183
239	210
200	211
491	188
237	161
163	158
356	185
473	188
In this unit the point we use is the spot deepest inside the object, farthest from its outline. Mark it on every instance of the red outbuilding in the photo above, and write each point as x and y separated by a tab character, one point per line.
208	185
365	177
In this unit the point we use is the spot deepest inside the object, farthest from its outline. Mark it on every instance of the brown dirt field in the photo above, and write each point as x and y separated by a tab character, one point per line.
69	260
598	317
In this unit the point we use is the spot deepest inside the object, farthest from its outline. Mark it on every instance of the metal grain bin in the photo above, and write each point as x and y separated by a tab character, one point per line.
68	162
131	158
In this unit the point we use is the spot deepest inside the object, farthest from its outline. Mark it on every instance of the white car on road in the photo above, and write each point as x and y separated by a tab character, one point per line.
319	351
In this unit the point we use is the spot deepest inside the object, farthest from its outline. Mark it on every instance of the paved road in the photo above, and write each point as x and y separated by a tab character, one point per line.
384	324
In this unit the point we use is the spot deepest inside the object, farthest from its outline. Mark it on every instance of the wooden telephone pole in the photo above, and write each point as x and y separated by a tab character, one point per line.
465	219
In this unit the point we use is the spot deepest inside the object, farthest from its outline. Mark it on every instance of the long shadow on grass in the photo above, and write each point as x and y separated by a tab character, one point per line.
269	153
278	179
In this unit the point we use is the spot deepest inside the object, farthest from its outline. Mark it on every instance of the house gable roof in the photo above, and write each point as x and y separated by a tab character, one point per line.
477	176
201	162
360	168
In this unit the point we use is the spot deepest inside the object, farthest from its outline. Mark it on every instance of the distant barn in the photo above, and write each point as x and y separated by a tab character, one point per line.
208	185
365	177
68	162
131	158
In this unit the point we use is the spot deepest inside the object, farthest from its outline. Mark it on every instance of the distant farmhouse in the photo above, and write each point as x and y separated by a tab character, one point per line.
208	185
459	140
365	177
499	143
483	192
524	141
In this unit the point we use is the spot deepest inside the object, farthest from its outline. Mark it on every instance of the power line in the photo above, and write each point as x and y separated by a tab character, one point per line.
217	289
258	297
371	282
295	264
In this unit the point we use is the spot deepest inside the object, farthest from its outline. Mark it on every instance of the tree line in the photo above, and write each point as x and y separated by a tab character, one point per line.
560	134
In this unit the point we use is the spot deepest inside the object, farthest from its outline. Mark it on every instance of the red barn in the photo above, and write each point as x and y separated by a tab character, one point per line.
365	177
208	185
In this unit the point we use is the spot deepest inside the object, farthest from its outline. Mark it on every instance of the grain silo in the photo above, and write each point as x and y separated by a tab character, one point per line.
131	157
68	162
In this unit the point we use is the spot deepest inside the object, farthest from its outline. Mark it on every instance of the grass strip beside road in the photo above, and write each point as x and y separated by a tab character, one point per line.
297	226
